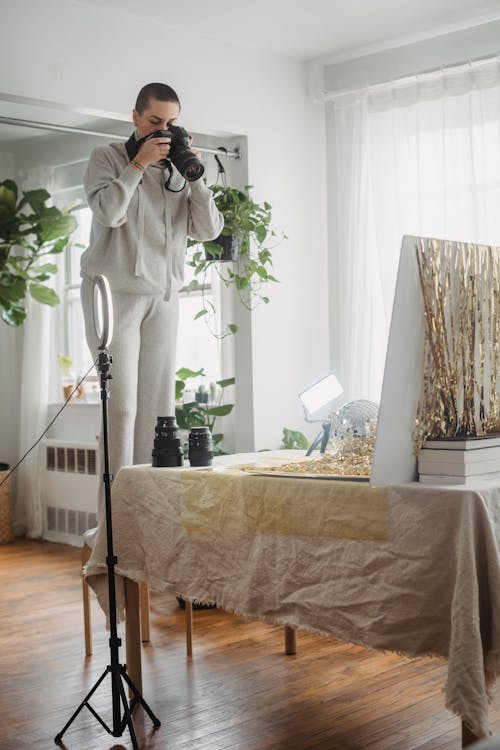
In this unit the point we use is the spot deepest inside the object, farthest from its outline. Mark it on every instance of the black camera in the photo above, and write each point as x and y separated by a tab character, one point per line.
180	154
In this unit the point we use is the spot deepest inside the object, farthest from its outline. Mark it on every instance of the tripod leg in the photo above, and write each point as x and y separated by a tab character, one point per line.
314	443
82	704
138	698
127	716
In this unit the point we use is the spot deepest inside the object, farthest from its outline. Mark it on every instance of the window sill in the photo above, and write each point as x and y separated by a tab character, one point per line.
77	421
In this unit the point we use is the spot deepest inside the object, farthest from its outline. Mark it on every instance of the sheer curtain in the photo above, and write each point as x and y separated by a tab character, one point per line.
36	357
419	156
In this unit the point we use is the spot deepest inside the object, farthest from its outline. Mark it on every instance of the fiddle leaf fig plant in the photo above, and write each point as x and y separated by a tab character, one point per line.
246	240
30	230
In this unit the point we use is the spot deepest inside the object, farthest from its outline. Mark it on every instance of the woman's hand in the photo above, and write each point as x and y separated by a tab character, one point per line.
152	150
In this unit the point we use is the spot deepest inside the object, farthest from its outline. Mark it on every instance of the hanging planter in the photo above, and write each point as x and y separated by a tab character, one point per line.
227	248
246	240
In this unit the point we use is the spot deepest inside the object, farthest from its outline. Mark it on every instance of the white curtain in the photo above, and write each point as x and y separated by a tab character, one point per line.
35	378
416	157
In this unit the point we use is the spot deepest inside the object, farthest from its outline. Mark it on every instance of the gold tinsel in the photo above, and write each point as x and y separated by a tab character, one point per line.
460	379
352	458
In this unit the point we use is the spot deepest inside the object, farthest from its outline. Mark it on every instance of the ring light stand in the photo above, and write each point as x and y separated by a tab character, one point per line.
103	324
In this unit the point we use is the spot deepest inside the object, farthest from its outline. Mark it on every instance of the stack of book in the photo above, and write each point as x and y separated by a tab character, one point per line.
462	460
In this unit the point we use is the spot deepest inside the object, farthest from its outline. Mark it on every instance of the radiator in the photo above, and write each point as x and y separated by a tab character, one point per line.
69	490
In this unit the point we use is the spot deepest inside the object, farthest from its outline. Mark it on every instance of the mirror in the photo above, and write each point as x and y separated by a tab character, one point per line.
36	156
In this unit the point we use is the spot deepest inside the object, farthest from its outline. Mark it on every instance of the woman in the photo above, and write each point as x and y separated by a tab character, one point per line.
142	212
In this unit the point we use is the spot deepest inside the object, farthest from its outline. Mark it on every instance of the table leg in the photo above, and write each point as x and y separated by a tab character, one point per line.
144	604
467	737
290	640
189	628
133	633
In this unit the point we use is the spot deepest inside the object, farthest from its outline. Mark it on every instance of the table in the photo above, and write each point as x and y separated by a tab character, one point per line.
413	568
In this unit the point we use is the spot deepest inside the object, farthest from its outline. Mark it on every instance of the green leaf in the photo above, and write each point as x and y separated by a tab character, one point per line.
55	226
265	300
194	284
59	245
183	373
213	249
226	382
293	439
65	362
44	294
220	411
35	199
179	389
233	327
189	417
200	313
241	282
45	268
12	289
15	315
8	197
261	233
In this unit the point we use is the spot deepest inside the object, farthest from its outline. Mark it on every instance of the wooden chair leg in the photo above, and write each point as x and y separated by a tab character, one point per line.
467	737
87	624
144	605
133	635
189	628
290	640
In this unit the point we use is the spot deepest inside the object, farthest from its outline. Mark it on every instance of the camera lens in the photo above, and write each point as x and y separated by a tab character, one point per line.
184	159
200	447
167	449
193	169
187	163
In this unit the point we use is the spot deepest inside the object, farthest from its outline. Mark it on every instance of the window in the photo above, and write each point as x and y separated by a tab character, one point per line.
75	343
421	158
197	348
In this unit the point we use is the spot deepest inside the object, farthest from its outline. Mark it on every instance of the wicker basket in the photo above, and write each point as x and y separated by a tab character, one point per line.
6	530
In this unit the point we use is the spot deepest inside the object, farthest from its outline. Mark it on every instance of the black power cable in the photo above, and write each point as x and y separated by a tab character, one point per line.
51	422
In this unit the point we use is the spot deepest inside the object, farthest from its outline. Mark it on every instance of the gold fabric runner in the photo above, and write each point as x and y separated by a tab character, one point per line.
234	502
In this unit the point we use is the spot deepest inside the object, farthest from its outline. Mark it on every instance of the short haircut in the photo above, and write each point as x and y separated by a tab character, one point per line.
159	91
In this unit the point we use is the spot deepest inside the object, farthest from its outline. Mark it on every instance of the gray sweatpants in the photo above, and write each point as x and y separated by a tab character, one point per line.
143	373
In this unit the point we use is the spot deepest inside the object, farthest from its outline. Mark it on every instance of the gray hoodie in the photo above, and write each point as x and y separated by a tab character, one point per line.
139	228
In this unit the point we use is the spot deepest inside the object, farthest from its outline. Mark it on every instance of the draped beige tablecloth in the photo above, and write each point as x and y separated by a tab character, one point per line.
413	569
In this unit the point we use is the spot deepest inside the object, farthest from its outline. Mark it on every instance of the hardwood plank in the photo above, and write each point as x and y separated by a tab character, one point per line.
238	692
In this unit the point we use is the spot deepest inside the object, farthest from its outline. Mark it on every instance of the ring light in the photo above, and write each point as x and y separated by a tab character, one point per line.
103	311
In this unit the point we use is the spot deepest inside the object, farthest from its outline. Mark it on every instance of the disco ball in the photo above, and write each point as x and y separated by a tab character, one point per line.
355	419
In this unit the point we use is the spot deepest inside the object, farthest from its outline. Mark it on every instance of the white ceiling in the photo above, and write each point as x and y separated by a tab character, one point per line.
296	29
308	29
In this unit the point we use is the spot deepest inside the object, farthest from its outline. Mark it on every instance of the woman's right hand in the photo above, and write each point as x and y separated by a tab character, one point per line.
152	150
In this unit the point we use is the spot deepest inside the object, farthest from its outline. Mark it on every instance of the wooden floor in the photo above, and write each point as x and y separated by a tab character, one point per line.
238	692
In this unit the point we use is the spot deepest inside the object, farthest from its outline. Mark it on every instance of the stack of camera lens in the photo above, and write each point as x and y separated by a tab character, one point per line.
167	449
201	451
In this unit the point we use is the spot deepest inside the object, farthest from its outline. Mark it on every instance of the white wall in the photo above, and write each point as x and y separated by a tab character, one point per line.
90	59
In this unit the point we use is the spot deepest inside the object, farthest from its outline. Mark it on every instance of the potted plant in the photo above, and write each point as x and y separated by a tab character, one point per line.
69	379
247	239
29	231
201	413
